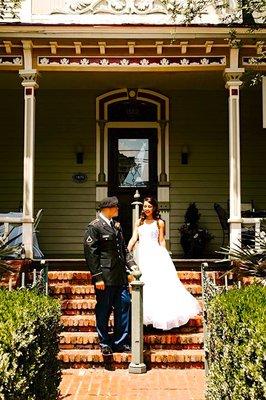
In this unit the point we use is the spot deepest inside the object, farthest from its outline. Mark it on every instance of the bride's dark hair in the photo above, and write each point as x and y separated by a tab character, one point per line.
155	212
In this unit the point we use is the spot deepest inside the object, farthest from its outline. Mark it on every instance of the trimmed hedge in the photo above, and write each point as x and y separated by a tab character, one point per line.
237	326
29	345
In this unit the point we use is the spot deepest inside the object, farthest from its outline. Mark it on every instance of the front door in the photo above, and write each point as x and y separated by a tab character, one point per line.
132	165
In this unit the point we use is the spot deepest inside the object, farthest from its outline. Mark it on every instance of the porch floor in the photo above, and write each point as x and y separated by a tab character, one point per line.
156	384
181	264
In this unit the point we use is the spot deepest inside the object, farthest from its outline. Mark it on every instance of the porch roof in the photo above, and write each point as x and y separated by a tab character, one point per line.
139	31
72	48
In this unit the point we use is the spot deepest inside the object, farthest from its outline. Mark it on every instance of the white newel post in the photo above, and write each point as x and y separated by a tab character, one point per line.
233	83
29	83
135	208
137	365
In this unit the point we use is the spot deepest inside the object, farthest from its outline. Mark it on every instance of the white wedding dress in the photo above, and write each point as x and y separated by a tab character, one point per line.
166	302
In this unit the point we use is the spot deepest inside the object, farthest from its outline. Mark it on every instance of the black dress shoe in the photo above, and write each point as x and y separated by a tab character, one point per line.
106	350
122	349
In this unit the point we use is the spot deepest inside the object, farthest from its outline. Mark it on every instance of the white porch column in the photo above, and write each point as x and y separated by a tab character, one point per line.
29	83
163	174
233	75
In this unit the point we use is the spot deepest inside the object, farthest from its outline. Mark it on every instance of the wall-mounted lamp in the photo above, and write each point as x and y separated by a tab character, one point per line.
184	155
79	155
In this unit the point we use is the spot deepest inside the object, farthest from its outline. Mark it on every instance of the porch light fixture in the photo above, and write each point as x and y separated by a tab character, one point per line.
184	155
79	155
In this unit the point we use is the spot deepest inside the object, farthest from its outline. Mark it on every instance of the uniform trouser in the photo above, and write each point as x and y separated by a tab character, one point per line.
116	299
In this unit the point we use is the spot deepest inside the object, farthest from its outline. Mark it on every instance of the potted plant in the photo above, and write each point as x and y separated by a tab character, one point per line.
193	238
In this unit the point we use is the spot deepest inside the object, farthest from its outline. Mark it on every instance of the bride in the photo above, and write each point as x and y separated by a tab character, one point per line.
166	302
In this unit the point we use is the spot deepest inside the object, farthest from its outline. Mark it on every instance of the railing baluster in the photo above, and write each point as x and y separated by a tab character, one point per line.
214	277
44	277
23	280
34	277
226	282
10	284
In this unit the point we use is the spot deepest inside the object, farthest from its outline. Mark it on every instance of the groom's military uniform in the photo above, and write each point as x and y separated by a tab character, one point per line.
108	260
106	253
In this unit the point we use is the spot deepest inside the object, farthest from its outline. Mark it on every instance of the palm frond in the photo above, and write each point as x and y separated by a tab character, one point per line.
247	260
7	244
7	250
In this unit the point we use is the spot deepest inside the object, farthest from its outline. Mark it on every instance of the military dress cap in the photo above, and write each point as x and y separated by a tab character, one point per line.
108	202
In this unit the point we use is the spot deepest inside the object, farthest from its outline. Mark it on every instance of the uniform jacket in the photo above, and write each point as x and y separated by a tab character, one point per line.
106	253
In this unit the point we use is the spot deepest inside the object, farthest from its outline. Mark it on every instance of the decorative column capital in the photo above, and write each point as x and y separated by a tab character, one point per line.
233	77
235	43
29	78
101	123
163	123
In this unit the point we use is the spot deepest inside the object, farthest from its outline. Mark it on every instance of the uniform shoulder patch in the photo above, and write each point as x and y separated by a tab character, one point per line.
89	240
94	222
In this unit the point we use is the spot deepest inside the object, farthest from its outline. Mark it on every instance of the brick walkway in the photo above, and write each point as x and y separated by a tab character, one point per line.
156	384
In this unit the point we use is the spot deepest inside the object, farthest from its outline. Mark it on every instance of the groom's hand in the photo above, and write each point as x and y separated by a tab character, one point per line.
100	285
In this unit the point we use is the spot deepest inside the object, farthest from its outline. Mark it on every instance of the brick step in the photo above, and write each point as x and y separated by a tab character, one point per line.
84	277
89	340
78	306
190	277
174	341
66	290
88	322
73	277
155	358
83	306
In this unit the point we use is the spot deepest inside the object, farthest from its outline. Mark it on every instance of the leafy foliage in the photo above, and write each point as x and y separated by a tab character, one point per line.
29	344
237	325
13	8
189	9
243	10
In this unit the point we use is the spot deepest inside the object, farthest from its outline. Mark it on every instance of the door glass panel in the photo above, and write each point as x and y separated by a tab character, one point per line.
133	162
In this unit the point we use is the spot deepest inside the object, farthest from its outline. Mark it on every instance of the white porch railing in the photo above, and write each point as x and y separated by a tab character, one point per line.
6	221
11	228
257	222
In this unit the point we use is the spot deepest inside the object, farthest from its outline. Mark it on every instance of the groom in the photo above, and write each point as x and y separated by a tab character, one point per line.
110	264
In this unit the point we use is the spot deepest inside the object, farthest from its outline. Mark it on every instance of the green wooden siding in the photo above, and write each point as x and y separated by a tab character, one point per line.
65	119
11	149
199	121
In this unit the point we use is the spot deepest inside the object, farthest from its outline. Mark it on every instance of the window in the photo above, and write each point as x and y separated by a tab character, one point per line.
133	162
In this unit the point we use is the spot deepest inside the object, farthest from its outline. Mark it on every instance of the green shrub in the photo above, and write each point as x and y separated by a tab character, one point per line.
237	326
29	345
